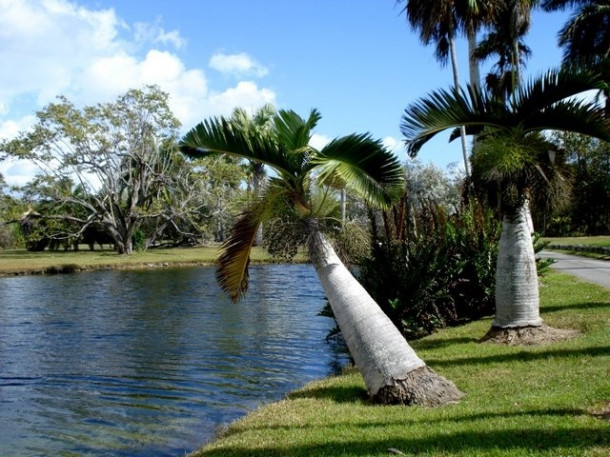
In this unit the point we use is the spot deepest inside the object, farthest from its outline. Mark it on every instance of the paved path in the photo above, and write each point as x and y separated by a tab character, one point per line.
593	270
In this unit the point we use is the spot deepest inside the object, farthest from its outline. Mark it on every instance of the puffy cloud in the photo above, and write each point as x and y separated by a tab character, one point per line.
237	64
52	47
44	44
318	141
245	94
58	47
12	127
155	34
18	172
392	144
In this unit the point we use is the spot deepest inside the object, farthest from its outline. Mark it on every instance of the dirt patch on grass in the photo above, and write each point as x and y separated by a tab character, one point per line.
528	336
602	412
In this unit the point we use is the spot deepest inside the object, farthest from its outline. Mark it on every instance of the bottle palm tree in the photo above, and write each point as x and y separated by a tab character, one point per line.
392	372
510	130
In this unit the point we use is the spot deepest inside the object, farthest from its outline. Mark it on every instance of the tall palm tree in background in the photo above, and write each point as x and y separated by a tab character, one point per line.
508	23
438	24
392	372
509	132
585	38
586	35
474	15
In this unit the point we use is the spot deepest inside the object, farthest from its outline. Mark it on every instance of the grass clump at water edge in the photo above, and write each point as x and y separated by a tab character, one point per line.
548	400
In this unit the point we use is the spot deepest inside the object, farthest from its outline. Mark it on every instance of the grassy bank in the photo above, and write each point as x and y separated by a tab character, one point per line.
596	247
521	401
602	241
20	261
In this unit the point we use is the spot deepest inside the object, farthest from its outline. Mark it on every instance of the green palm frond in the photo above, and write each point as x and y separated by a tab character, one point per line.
447	109
371	170
543	104
553	87
577	116
218	136
234	258
505	157
232	271
294	132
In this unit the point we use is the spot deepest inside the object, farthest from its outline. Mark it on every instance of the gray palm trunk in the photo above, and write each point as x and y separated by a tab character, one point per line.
392	371
343	203
456	83
517	298
473	63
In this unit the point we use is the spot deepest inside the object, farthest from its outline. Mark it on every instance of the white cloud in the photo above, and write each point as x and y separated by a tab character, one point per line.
18	172
237	64
52	47
393	145
11	128
318	141
155	34
43	44
245	94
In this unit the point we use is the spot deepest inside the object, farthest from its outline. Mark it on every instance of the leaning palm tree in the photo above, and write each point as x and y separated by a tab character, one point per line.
546	103
392	372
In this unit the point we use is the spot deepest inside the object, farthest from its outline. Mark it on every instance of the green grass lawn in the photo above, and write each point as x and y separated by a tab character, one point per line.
603	241
581	246
521	401
21	261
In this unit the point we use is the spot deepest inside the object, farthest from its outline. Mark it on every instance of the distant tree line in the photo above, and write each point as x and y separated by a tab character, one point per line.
112	174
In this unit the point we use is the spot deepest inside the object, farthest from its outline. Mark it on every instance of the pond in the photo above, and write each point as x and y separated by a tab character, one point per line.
150	363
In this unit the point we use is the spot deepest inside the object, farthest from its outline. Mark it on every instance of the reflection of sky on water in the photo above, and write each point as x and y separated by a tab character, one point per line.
150	362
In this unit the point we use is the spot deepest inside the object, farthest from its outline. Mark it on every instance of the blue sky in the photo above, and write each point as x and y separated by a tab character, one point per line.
356	61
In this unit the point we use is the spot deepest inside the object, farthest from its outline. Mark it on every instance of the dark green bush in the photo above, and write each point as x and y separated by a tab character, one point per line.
429	269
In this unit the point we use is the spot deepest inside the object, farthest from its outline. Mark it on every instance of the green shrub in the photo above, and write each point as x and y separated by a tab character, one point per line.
430	269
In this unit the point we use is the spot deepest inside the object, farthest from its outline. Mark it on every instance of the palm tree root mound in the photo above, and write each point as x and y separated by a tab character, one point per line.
422	386
528	336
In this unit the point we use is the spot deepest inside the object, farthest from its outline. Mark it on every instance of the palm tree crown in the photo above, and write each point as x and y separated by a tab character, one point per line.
545	103
284	147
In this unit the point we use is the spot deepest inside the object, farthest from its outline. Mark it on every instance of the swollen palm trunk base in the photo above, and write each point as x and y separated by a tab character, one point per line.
528	336
422	386
391	370
517	299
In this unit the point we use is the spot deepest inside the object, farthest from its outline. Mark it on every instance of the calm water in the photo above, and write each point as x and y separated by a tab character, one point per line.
150	363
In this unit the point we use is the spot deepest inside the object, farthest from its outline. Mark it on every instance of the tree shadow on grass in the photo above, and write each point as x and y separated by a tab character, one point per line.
521	356
521	441
354	394
586	305
439	344
414	421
